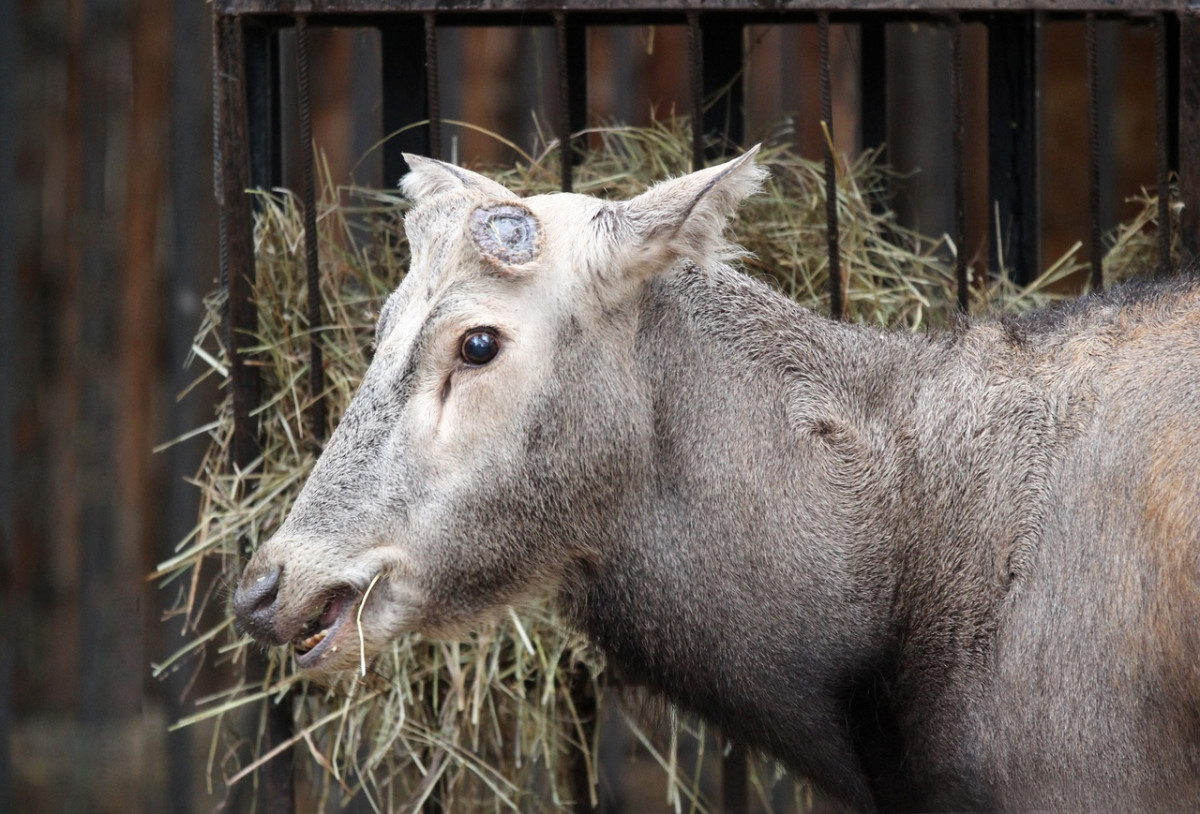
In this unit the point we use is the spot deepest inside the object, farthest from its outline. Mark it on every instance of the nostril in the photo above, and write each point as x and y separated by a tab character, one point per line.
266	588
259	592
254	603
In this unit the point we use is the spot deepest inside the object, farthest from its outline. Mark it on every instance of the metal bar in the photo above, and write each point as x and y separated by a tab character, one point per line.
721	83
351	8
432	88
1013	143
695	88
837	283
957	126
232	173
406	99
1093	104
1189	136
312	262
1162	146
11	390
1171	21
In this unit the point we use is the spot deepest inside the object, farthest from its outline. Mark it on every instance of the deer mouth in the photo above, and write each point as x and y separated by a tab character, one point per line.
319	637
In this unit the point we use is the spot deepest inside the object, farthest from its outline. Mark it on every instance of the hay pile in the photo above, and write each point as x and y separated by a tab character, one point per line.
488	723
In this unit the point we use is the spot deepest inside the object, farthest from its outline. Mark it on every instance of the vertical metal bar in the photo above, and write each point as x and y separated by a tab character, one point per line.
232	173
1171	22
960	196
734	780
837	284
570	43
1189	135
1013	143
9	387
308	172
406	99
695	87
432	92
562	70
233	177
721	83
1093	103
1161	145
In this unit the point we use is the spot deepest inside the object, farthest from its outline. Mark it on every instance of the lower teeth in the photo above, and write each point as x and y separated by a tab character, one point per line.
311	642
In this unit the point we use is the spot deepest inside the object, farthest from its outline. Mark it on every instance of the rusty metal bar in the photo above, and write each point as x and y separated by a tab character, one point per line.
433	93
837	283
312	263
1162	145
1093	104
232	173
1013	144
957	129
13	391
696	88
570	39
1171	22
1189	136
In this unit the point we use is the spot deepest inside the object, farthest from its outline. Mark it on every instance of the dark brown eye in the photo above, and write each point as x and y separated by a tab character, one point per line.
479	347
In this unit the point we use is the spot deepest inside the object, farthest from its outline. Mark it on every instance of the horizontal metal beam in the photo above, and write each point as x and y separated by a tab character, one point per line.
616	7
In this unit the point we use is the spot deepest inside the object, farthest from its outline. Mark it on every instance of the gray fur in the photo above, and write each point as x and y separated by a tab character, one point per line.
954	571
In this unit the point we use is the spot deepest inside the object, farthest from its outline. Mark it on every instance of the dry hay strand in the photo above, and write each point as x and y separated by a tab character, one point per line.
489	723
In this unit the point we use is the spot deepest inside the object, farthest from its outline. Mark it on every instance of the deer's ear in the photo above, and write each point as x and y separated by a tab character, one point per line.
428	177
686	216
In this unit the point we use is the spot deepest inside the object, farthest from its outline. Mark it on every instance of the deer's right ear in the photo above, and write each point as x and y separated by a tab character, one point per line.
428	178
686	217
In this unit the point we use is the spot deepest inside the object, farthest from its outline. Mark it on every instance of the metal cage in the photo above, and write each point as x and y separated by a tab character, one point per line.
248	152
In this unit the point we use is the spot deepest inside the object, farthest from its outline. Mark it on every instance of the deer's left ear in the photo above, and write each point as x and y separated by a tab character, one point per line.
686	216
428	177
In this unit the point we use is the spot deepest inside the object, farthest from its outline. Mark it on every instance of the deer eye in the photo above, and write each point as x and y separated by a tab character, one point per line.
479	347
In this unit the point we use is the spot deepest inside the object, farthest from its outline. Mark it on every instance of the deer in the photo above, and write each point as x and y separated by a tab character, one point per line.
952	570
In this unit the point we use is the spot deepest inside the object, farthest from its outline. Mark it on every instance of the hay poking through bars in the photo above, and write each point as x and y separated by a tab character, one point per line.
488	724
